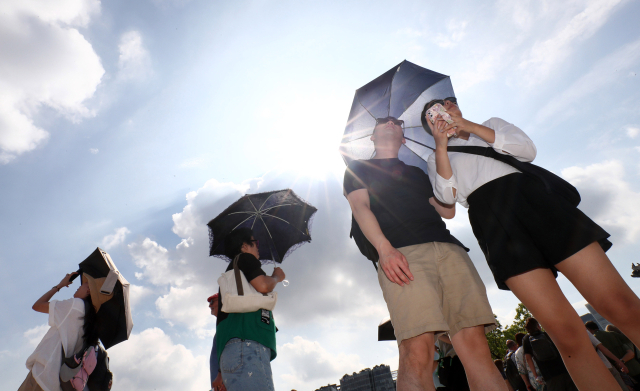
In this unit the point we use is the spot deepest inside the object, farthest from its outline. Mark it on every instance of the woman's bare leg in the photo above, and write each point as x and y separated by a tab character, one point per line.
595	277
540	293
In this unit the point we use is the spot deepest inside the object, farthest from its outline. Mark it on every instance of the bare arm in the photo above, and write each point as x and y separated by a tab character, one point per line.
532	367
525	378
628	356
613	358
266	284
392	262
445	211
443	165
42	304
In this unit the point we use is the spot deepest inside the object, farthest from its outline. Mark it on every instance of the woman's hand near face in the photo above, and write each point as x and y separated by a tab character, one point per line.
66	281
439	133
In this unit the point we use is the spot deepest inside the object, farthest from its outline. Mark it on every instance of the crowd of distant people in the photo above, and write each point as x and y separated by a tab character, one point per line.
533	363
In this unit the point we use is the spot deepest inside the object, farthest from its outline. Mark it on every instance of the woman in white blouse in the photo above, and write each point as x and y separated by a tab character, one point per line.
527	235
72	322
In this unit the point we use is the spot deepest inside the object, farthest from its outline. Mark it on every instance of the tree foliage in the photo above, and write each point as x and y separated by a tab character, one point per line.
498	337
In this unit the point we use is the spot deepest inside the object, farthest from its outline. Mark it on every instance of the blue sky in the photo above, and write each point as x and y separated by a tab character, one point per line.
129	125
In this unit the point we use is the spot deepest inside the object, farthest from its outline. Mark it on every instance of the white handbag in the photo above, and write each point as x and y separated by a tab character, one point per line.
239	296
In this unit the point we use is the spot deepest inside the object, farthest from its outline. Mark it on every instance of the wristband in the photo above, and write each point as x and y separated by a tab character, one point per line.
56	288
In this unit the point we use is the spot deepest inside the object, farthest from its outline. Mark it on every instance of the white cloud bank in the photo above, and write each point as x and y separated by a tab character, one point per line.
607	198
150	360
134	62
46	62
116	238
313	364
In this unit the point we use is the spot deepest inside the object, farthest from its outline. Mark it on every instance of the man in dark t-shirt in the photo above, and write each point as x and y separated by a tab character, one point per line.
428	281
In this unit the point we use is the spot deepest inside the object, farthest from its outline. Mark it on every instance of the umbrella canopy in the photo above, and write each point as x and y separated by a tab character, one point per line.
385	330
402	93
110	297
280	220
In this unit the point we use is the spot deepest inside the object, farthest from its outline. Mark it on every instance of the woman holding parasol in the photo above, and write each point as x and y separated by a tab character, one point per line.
528	234
72	325
246	342
265	226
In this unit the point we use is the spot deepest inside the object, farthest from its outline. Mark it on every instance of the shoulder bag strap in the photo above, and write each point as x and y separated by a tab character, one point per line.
237	275
488	152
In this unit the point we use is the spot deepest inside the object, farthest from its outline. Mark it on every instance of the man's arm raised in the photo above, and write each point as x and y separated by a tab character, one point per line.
392	262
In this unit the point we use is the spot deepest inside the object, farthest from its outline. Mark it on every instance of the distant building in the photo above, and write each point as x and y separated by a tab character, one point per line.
600	320
377	379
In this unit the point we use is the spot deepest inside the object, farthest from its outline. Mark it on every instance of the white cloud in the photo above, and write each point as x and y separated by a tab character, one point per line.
94	151
157	267
632	131
150	360
607	198
313	365
116	238
137	293
46	62
34	335
134	62
454	34
599	77
188	306
545	55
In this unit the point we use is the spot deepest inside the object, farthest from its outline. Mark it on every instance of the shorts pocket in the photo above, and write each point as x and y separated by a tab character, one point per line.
231	357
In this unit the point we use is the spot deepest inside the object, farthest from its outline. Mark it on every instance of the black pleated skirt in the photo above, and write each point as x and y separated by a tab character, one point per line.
520	227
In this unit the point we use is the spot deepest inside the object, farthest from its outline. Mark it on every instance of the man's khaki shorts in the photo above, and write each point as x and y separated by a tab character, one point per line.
446	294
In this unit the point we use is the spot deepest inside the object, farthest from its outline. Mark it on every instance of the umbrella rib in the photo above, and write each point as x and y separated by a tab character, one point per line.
276	206
390	87
419	143
265	201
233	213
364	107
276	217
239	224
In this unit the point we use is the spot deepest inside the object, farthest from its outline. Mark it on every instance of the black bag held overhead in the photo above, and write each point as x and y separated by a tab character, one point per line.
551	182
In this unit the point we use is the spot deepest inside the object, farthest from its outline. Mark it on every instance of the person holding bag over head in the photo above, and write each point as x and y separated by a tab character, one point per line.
72	325
529	233
246	341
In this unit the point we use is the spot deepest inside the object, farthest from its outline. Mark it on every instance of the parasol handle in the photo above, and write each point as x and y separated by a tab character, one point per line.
75	275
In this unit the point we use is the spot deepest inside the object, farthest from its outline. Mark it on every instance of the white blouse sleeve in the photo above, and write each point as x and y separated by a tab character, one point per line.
442	188
511	140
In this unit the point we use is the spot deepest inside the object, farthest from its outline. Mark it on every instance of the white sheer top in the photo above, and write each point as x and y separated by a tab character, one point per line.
472	171
66	321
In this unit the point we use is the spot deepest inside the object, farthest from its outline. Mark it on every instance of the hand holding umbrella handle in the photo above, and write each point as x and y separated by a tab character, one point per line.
75	275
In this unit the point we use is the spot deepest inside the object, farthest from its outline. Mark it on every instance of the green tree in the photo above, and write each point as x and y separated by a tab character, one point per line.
522	314
498	337
497	341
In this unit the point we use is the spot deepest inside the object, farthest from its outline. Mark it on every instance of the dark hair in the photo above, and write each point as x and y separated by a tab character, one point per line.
90	327
499	364
531	325
427	106
235	239
519	337
591	325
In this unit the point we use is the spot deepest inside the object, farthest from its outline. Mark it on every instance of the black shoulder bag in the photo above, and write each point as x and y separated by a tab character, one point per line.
552	183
